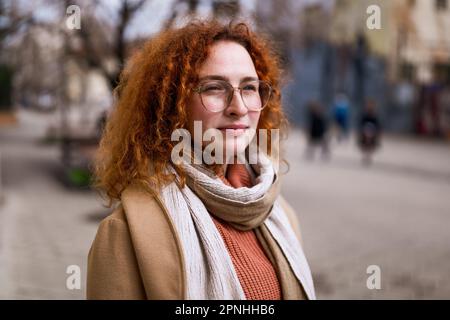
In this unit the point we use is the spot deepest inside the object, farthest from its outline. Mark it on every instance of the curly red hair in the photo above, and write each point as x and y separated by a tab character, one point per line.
152	98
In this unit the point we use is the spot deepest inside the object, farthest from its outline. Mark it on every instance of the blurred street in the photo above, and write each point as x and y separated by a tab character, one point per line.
394	214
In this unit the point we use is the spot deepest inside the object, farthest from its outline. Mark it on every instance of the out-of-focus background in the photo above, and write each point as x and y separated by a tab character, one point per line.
367	93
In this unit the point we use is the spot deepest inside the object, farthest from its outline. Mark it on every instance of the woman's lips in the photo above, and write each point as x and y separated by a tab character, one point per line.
233	131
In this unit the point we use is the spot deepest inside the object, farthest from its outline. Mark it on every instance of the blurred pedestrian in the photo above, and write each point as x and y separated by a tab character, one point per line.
445	104
369	132
317	131
341	111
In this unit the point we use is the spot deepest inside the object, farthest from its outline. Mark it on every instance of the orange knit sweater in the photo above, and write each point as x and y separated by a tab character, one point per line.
255	272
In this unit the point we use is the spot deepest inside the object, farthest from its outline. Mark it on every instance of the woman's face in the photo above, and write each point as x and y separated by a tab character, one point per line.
229	61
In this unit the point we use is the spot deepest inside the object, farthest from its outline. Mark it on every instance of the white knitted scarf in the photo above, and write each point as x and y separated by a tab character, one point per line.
210	273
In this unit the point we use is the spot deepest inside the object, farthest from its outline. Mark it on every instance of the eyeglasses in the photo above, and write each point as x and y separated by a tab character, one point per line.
216	95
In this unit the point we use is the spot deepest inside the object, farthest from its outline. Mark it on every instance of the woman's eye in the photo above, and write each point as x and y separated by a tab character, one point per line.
213	88
250	87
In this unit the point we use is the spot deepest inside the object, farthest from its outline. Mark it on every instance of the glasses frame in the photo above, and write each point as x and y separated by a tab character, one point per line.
231	90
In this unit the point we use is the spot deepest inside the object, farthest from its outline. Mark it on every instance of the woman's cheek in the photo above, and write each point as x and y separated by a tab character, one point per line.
255	119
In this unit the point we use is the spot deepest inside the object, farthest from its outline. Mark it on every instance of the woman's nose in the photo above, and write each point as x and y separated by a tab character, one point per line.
237	106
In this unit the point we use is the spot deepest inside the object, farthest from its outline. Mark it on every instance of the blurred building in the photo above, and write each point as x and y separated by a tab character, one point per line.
349	20
414	33
425	40
404	65
423	53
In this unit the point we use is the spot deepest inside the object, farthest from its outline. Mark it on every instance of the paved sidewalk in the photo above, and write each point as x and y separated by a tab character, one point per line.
44	227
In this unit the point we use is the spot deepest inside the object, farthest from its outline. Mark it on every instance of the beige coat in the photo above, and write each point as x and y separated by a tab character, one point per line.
137	254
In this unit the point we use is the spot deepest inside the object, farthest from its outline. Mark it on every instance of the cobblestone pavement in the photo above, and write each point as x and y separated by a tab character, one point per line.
395	214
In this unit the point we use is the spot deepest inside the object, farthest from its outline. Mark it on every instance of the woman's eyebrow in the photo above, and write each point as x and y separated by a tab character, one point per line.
218	77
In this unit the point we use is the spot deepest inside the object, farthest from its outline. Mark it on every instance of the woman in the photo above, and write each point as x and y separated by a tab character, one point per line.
369	132
185	229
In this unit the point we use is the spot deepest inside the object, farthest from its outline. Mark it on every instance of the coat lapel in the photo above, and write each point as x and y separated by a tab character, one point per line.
157	247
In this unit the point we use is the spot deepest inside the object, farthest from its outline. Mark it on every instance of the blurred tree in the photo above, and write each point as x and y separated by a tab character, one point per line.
12	19
278	19
225	9
5	87
101	43
222	9
175	12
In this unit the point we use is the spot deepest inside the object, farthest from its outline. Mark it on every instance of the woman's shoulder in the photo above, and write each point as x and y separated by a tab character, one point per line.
136	208
116	215
138	203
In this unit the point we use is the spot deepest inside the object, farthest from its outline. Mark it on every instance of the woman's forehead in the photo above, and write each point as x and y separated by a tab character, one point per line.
229	60
225	78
